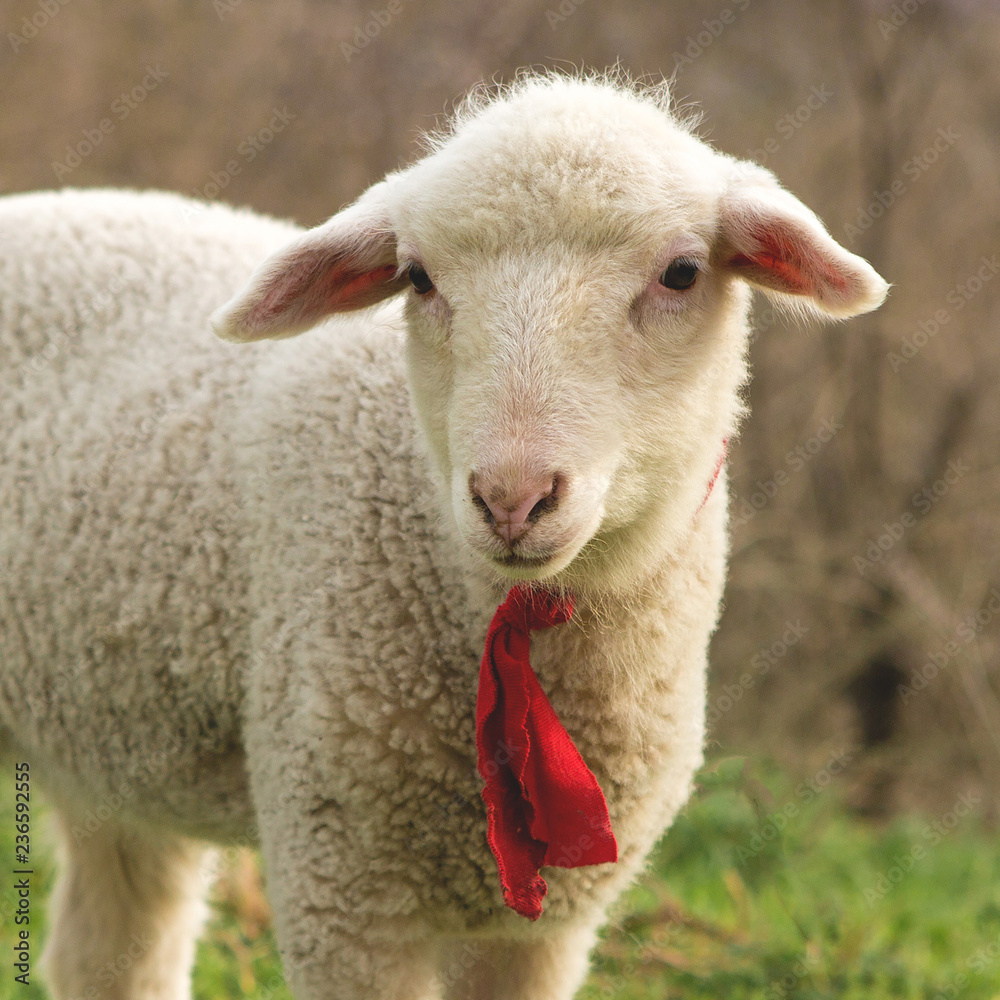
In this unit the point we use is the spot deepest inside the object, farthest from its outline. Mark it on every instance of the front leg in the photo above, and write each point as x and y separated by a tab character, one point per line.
359	965
336	943
551	967
338	939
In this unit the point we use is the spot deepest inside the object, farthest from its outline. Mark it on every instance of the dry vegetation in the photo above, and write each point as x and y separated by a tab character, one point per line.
850	423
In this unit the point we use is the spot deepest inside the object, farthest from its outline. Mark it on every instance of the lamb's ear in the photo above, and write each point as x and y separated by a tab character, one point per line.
769	238
347	263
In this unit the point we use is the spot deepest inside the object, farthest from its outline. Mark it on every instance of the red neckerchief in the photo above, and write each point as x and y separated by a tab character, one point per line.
543	804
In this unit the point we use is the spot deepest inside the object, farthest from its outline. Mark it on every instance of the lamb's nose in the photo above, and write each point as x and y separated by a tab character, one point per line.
512	512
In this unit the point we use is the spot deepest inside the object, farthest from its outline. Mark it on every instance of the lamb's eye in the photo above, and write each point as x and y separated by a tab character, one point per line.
420	279
680	274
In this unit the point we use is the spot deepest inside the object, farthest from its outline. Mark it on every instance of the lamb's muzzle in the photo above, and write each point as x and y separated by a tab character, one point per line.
512	510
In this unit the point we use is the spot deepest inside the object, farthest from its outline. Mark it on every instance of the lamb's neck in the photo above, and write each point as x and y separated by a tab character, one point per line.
626	675
636	564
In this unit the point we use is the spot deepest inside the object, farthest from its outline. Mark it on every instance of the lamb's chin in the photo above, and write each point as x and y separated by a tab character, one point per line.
528	568
531	566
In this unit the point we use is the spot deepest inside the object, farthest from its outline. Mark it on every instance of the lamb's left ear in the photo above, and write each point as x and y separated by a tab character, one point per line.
768	237
347	263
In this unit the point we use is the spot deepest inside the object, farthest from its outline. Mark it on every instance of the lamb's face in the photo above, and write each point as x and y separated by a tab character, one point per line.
576	266
551	392
563	318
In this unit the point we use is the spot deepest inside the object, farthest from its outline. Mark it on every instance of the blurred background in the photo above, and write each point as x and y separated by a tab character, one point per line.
863	609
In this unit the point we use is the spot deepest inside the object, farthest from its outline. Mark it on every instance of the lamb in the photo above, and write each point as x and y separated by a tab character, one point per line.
246	585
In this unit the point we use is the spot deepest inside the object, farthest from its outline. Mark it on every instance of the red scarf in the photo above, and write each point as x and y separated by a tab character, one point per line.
543	804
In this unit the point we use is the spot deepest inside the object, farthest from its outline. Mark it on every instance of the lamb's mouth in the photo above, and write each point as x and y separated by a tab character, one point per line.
538	565
512	561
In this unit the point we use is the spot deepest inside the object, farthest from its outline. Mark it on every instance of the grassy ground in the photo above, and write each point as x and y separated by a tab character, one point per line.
763	890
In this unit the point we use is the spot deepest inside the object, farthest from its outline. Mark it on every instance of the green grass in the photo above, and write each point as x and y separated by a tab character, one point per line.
726	914
731	908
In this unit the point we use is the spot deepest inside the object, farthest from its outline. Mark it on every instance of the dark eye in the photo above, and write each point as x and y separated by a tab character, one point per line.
680	274
420	279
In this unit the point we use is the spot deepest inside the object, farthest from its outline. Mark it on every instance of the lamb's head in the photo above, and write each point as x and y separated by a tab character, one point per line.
577	268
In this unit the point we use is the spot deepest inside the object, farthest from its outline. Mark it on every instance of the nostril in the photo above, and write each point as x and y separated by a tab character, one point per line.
477	500
547	501
483	507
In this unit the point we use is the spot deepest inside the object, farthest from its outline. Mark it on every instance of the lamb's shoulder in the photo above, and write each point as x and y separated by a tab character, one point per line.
120	609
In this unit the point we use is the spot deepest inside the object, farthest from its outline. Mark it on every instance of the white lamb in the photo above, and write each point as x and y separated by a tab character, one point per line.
242	591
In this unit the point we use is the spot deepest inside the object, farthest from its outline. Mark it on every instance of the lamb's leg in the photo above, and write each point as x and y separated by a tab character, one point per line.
364	966
550	968
125	914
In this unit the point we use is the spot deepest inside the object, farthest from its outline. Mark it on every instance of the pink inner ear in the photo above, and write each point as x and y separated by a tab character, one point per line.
788	275
341	289
783	259
777	256
305	294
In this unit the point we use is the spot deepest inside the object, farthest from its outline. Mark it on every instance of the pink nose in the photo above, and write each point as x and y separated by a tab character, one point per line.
512	512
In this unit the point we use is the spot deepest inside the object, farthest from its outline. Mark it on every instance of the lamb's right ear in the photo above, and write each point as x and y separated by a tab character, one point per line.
347	263
769	238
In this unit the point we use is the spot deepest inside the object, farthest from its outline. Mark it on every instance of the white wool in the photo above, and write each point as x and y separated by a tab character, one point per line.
245	588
